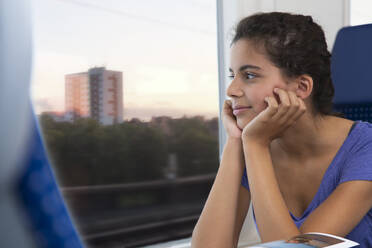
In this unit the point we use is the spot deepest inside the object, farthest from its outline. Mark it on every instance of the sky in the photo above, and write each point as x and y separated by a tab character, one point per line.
166	49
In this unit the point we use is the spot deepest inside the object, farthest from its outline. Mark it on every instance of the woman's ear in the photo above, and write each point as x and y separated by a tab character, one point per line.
304	86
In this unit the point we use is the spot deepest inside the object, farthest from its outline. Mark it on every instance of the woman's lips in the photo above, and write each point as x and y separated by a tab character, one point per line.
240	110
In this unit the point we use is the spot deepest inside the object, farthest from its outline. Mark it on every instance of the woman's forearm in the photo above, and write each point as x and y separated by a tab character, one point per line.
215	227
272	215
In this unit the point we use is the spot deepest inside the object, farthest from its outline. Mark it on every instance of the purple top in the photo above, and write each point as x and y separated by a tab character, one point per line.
353	161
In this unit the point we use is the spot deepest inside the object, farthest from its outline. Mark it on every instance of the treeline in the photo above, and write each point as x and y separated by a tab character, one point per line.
87	153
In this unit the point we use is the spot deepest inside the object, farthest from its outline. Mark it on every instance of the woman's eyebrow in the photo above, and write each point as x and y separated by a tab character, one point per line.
243	67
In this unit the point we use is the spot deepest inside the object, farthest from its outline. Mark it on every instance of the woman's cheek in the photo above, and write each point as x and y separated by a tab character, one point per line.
261	107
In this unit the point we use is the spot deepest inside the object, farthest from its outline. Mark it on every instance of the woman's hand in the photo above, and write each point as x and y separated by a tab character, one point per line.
229	121
275	119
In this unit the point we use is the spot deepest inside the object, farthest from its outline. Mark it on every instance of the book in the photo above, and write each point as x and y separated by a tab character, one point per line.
310	240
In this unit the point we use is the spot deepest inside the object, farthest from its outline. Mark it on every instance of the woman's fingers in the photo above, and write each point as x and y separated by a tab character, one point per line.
291	107
227	103
227	107
284	105
229	120
298	107
301	110
273	106
293	99
227	110
295	104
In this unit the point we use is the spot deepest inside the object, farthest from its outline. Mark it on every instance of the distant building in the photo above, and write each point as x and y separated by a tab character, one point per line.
97	94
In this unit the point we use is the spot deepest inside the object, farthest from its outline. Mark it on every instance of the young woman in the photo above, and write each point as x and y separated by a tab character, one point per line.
304	168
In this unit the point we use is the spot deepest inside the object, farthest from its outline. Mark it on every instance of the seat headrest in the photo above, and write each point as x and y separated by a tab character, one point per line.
351	65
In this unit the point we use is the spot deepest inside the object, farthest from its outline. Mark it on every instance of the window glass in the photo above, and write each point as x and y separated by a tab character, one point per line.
127	98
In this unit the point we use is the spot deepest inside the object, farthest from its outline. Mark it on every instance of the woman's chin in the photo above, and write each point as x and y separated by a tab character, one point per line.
241	123
243	120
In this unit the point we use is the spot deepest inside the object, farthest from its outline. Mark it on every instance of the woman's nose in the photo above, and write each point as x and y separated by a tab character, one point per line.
234	89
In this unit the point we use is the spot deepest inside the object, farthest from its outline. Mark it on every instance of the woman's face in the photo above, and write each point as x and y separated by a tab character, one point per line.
253	78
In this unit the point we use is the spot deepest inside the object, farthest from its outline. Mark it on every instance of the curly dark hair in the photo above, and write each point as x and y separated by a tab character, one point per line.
297	46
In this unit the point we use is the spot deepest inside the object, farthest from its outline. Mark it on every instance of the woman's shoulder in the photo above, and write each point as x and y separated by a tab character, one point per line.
356	130
361	136
355	156
365	126
351	138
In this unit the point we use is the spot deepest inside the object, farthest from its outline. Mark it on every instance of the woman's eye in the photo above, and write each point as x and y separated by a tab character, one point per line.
250	76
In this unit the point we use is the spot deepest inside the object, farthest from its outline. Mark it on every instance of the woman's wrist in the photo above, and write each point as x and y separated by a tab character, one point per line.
234	140
255	144
233	143
234	150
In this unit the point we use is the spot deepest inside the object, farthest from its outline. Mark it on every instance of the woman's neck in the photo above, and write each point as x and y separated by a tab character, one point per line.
310	137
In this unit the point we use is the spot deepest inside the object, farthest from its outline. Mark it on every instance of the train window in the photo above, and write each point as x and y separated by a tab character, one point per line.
360	12
127	98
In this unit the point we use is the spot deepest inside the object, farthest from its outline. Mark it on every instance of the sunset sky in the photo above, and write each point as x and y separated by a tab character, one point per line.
166	49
